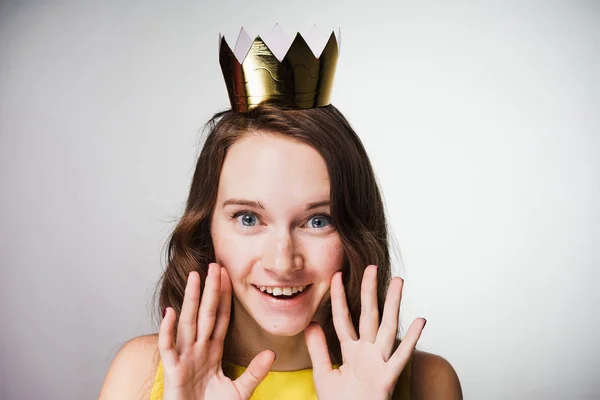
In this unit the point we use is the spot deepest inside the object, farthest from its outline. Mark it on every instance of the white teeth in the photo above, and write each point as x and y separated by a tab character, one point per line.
281	291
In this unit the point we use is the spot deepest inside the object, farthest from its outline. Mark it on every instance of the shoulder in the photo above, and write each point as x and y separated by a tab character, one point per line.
131	374
433	377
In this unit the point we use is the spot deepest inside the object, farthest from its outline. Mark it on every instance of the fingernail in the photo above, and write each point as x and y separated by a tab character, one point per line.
425	323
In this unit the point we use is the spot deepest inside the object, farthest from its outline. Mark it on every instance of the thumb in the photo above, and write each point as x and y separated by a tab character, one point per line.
255	373
317	349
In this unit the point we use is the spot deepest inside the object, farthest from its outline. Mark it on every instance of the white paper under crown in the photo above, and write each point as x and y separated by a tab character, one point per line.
279	43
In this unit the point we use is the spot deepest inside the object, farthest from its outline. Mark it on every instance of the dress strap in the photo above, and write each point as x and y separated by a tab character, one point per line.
158	386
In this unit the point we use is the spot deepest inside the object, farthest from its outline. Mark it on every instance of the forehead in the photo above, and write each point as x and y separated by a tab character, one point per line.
266	167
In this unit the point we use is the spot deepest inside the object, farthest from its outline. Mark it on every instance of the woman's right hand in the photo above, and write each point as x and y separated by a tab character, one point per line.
192	367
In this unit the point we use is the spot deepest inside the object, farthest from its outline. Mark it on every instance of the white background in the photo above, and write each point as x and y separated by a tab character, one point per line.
481	120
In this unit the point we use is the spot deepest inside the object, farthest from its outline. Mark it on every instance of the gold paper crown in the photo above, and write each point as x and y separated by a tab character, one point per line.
254	73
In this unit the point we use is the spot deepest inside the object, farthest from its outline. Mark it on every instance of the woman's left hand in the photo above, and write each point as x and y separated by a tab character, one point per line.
369	370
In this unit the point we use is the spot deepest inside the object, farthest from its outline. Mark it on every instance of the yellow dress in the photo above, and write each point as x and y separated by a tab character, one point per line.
288	385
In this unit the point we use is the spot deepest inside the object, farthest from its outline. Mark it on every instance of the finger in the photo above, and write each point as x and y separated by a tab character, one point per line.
186	329
388	331
166	338
224	309
407	346
369	313
317	349
209	303
255	373
342	322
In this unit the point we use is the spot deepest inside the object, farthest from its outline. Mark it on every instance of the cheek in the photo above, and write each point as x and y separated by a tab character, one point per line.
326	254
328	257
232	251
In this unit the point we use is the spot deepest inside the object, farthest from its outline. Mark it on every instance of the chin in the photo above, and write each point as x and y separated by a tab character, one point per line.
283	326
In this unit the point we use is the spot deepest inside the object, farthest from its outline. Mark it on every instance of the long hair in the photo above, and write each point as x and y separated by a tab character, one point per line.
357	209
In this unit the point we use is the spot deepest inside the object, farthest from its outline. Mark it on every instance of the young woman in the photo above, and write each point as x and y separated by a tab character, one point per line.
278	283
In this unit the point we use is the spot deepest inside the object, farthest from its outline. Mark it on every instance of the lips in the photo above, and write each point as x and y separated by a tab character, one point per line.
282	300
282	290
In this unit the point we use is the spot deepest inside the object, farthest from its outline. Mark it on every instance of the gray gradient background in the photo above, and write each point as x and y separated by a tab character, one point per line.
481	119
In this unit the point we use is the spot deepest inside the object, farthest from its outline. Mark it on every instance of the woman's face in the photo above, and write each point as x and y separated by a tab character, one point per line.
271	229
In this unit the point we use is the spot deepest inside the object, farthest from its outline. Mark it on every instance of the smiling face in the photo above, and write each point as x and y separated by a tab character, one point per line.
271	229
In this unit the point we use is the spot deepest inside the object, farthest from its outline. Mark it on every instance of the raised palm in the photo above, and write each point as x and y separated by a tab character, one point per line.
192	363
370	365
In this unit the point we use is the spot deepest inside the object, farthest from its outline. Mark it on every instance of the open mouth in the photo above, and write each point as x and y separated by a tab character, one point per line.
283	293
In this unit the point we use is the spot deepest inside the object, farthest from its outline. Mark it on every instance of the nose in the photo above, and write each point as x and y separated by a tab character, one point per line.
280	255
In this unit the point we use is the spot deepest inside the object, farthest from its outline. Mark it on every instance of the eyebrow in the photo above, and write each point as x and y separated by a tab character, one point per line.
243	202
259	205
317	204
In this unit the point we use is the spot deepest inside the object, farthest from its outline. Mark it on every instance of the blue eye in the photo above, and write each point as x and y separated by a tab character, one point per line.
319	221
246	219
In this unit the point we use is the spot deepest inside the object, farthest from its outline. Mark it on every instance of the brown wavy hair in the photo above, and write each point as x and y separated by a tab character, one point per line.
357	209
